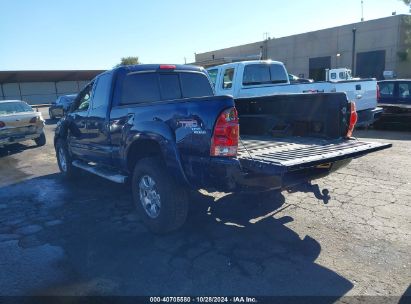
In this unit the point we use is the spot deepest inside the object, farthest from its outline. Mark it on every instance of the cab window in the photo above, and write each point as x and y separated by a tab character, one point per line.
213	75
83	102
102	91
386	89
404	90
255	74
228	78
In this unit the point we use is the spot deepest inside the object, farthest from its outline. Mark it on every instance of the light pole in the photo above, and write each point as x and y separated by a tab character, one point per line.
354	30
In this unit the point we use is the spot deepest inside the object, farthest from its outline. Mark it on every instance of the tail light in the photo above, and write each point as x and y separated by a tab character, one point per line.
226	133
378	93
34	119
2	124
353	118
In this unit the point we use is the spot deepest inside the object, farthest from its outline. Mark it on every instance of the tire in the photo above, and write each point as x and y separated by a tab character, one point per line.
41	140
52	117
161	203
66	168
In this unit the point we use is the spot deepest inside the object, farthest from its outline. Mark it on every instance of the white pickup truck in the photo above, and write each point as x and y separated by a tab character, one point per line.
266	77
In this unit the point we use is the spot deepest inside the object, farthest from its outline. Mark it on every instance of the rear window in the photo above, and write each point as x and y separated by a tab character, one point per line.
14	107
149	87
139	88
255	74
404	89
195	85
386	89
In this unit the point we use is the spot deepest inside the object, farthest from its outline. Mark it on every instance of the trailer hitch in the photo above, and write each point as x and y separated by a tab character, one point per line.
315	189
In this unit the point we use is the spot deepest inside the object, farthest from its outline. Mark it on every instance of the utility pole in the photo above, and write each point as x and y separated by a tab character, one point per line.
362	10
354	31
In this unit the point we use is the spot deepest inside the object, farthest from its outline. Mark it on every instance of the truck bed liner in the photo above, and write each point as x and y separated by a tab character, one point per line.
279	155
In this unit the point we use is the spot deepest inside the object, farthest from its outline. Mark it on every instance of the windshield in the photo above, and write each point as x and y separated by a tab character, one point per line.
14	107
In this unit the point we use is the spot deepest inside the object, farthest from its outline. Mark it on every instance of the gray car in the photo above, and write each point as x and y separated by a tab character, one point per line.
19	122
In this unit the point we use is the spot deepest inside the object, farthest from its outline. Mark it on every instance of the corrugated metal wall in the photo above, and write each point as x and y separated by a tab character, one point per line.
39	92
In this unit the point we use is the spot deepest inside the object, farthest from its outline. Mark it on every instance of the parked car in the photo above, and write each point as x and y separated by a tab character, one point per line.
265	77
19	122
296	79
395	98
61	106
162	128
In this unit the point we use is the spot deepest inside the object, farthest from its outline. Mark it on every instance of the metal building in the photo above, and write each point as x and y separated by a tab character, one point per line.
39	87
368	48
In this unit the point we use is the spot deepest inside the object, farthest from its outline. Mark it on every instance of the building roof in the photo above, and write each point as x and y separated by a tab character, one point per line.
47	76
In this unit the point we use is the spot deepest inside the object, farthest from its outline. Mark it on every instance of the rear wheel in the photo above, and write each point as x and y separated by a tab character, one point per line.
160	201
41	140
64	160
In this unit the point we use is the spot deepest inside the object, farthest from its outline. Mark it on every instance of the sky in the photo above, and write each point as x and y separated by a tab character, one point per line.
95	34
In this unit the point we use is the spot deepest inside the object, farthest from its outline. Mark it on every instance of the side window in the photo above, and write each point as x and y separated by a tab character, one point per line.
404	90
213	75
386	89
138	88
102	91
333	76
342	75
256	74
83	102
228	78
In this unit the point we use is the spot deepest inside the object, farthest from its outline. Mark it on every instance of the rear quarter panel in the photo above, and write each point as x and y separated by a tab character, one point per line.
182	128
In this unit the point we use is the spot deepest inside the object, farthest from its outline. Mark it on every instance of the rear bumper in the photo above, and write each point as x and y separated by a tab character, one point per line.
16	138
396	116
368	116
229	176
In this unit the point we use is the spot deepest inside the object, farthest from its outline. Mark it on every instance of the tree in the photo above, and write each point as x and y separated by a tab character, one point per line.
407	2
130	60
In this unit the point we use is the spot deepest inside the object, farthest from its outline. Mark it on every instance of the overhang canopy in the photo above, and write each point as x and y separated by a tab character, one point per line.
47	76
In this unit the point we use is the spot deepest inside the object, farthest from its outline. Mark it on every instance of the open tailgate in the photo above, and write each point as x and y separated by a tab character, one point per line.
274	156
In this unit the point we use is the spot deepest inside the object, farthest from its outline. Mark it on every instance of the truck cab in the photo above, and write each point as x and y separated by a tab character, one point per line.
340	74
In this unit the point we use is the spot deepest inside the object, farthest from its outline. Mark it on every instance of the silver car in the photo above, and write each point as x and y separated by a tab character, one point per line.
19	122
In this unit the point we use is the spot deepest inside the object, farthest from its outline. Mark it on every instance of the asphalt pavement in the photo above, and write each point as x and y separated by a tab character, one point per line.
84	237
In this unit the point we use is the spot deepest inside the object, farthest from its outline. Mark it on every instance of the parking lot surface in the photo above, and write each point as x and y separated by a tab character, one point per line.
84	238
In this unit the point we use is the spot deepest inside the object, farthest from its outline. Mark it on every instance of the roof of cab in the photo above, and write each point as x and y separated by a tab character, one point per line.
150	67
247	63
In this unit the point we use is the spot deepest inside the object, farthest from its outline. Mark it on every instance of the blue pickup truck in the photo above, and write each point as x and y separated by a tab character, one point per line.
162	128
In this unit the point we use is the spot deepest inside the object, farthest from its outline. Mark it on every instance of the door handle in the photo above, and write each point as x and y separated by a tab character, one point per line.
130	118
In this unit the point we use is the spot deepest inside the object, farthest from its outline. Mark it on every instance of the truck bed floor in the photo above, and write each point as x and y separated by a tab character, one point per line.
292	153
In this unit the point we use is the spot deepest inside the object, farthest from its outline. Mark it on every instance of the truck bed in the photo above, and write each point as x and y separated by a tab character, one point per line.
279	155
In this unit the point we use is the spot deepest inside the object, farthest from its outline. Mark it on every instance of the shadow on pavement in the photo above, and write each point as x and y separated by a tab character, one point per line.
383	134
235	245
50	121
16	148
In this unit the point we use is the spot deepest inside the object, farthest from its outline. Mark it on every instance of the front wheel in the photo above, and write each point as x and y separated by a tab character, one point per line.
160	201
41	140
